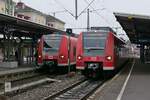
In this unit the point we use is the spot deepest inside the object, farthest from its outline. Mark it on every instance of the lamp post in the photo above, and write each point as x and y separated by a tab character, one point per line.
69	32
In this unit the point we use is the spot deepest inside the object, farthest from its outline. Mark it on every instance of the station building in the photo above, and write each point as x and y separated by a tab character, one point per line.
54	22
28	13
7	7
19	49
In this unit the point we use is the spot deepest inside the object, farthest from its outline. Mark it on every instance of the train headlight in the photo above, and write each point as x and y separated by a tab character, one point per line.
109	58
39	40
62	56
79	57
40	56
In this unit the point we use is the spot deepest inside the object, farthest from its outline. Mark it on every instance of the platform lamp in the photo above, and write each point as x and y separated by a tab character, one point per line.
69	32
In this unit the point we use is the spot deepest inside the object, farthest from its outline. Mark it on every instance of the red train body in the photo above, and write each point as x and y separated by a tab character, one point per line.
98	52
53	50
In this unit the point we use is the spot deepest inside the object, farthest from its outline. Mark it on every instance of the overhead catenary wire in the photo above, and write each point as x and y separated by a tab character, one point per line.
101	16
116	28
64	8
59	11
86	8
95	10
83	11
98	13
109	24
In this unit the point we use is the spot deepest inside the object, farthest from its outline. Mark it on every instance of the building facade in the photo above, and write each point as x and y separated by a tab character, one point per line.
2	6
25	12
28	13
7	7
54	22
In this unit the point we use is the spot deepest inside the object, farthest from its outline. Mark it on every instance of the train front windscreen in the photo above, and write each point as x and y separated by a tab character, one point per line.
52	43
94	43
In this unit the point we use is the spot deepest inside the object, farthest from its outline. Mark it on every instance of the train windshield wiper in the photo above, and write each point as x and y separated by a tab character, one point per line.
49	49
53	48
95	48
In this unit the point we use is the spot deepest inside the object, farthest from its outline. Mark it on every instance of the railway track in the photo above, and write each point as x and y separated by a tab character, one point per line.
78	91
44	90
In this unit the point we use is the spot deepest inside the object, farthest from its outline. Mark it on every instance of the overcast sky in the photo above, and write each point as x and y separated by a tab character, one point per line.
102	17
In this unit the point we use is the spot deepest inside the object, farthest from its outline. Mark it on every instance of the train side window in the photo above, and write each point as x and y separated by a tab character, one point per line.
117	51
74	52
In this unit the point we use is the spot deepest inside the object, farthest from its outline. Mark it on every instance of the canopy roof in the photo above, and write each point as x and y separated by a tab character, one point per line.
23	27
137	27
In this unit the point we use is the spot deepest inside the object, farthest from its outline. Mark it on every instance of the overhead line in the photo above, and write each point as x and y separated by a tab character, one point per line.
98	13
94	10
64	8
59	11
102	17
86	7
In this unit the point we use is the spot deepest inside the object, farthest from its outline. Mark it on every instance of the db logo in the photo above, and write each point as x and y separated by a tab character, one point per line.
93	58
50	57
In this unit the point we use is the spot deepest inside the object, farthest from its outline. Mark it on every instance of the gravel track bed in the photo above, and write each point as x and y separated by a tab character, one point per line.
45	90
79	92
27	80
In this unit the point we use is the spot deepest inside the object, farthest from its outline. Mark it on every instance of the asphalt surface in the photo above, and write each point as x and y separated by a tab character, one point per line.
112	88
138	86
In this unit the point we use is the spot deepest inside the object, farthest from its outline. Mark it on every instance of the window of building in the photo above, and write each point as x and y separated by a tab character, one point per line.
2	10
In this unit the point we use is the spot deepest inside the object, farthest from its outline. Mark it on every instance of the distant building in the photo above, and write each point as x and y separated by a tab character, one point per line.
28	13
54	22
7	7
2	6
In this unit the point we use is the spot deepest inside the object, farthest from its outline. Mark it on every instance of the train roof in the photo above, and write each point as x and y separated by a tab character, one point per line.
105	29
135	25
64	33
100	29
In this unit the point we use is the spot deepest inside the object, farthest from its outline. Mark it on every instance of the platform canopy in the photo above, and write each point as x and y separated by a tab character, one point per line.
136	26
23	27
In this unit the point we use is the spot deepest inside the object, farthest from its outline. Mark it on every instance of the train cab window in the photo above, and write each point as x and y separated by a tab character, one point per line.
94	43
52	43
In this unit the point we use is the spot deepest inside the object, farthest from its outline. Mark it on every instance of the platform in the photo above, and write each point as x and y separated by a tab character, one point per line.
132	83
9	74
138	85
18	69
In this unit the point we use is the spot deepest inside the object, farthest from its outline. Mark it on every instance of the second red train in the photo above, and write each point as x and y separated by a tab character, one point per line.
53	51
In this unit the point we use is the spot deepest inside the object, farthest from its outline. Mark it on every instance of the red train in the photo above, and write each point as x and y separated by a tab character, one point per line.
98	52
53	51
